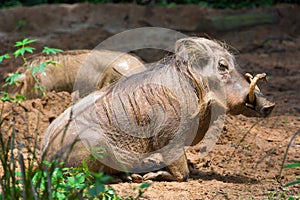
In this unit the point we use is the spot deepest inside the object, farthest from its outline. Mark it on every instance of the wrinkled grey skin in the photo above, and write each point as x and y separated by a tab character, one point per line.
167	106
62	77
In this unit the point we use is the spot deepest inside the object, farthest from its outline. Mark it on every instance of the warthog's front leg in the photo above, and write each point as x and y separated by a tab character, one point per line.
178	171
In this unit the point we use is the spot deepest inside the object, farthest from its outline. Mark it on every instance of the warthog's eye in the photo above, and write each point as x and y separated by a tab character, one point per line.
223	65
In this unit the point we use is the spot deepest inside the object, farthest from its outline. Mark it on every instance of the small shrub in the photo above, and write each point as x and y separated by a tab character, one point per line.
23	48
31	179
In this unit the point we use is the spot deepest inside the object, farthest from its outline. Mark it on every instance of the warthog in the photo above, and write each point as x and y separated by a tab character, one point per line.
62	77
160	110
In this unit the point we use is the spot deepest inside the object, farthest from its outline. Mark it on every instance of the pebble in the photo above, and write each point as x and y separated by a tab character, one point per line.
297	108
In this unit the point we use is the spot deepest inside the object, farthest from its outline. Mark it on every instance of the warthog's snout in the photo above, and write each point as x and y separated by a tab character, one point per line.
256	100
262	105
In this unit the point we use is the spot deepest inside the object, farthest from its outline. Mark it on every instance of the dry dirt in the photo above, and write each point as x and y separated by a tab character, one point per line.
246	161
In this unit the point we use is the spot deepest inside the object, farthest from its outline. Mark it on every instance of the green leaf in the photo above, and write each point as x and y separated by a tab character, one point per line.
59	195
96	190
145	185
5	56
92	192
290	166
19	43
12	79
29	49
51	62
5	97
39	68
20	97
19	52
292	183
105	179
85	167
24	42
47	163
23	50
80	178
48	50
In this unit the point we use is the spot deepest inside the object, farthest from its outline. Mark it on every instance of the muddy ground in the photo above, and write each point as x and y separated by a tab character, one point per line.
245	163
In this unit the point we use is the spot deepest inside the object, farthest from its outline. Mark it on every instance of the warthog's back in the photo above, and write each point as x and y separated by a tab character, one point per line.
62	77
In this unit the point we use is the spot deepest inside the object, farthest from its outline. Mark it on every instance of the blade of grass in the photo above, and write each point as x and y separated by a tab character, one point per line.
286	152
290	166
292	183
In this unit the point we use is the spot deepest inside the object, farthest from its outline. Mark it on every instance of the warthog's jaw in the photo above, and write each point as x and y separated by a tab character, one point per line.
255	99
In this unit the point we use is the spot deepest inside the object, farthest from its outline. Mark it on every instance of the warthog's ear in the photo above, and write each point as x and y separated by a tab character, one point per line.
193	51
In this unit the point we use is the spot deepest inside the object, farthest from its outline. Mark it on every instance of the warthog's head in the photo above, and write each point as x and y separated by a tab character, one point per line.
238	94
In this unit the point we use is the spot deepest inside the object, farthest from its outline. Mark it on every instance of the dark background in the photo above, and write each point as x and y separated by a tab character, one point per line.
210	3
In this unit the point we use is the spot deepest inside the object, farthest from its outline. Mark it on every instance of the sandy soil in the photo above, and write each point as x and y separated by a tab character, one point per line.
246	161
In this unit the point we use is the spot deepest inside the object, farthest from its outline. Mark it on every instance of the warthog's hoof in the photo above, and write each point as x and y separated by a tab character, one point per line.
119	178
136	178
163	176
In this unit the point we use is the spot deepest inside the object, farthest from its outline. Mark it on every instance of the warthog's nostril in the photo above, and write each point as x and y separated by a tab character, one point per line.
266	110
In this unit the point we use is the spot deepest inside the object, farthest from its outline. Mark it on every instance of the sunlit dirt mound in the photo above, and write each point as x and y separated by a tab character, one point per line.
29	119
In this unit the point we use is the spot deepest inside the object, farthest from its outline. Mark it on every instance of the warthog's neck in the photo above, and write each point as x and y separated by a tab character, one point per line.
197	81
205	101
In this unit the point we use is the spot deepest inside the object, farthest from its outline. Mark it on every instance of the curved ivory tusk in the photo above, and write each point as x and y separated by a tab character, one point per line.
253	85
249	77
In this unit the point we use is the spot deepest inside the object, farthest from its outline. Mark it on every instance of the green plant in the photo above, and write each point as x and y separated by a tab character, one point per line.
5	56
12	79
68	183
31	179
292	166
17	99
50	180
53	181
10	179
23	48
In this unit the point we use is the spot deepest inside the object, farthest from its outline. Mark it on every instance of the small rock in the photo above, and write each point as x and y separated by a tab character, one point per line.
297	108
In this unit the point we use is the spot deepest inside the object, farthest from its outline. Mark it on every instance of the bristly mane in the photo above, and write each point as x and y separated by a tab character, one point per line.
59	57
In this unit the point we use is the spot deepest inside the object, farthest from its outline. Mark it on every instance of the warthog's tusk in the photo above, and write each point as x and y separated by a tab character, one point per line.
248	76
253	82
